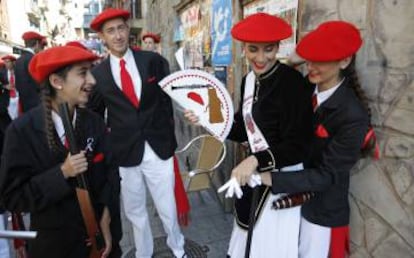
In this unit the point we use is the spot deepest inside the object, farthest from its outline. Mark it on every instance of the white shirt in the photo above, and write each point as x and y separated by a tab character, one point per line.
131	68
13	108
324	95
28	49
60	129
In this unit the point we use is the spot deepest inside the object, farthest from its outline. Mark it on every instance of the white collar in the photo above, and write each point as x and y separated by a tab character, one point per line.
324	95
60	129
28	49
128	57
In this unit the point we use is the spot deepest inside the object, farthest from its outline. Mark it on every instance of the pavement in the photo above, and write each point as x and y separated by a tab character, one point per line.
207	235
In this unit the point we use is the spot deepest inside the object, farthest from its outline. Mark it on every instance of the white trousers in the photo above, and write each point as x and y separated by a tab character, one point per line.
158	175
276	232
314	240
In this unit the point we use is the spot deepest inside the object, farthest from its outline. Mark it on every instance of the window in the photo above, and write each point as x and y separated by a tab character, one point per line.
136	9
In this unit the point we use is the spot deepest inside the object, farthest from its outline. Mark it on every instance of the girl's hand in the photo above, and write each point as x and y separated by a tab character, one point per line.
106	232
266	178
74	165
244	170
191	117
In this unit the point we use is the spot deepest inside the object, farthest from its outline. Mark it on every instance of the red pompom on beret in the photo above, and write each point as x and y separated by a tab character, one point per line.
108	14
9	57
330	41
155	37
76	44
32	35
50	60
261	28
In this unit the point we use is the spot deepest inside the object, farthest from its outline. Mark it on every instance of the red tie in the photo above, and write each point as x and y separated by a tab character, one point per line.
127	85
66	143
12	91
314	102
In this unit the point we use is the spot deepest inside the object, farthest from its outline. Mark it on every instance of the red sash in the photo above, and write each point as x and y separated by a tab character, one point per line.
181	200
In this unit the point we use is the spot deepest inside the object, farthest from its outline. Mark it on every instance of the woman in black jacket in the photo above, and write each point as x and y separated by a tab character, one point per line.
274	120
39	175
341	121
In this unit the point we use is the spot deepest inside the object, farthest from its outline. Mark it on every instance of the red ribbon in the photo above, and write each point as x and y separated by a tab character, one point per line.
19	244
371	138
183	206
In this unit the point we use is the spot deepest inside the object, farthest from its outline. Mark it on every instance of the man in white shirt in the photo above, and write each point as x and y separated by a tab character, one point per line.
140	117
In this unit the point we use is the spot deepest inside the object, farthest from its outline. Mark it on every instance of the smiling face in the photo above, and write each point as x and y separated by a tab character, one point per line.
77	85
149	44
261	56
115	33
326	74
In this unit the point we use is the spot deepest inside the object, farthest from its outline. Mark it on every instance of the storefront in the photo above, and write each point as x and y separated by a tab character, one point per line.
202	31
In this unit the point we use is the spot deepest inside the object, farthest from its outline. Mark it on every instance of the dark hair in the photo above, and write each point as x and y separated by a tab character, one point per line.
31	42
48	95
353	82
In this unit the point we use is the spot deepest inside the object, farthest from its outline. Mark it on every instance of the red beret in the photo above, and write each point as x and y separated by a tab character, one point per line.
108	14
331	41
9	57
46	62
32	35
261	28
155	37
76	44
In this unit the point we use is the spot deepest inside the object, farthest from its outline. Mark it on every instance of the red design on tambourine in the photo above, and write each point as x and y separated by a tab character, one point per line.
205	95
321	132
195	97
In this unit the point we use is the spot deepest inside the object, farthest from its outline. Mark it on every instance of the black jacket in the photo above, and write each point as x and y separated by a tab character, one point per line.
31	181
26	86
130	127
283	113
331	159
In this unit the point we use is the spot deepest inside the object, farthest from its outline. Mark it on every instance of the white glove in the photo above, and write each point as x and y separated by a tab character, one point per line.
254	180
232	187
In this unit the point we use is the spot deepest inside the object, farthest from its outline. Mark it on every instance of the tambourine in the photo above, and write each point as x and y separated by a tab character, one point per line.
206	96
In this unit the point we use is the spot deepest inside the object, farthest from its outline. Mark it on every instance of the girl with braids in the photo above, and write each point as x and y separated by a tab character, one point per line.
341	121
38	174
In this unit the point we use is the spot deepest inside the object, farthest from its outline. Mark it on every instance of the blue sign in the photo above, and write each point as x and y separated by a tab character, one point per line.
220	32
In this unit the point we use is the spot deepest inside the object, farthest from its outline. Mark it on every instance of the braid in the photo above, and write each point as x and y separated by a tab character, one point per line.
47	96
351	73
352	76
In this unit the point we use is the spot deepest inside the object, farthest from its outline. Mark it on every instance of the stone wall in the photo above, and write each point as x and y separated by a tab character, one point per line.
382	192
